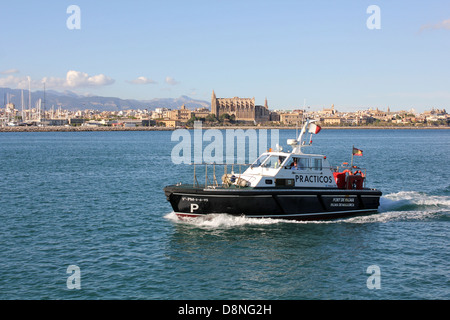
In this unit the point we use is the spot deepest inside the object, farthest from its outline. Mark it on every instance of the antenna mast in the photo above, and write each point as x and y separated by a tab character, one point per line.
29	96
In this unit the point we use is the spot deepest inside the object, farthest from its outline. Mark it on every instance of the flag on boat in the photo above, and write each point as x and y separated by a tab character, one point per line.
357	152
314	128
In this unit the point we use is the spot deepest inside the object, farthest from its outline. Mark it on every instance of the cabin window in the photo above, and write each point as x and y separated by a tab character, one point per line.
269	181
303	163
293	164
280	161
274	162
297	163
317	164
259	161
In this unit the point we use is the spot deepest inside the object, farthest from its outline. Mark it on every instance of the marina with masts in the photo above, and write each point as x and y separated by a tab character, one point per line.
28	115
20	109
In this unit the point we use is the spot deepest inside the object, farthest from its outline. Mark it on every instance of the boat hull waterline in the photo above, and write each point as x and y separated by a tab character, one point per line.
293	204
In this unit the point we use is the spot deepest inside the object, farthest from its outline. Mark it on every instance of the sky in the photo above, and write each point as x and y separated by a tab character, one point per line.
294	53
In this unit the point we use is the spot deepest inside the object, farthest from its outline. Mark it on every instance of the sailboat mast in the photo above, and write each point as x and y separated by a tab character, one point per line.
29	94
44	103
23	118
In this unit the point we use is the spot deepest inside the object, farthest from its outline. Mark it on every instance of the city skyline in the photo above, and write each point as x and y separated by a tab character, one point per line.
285	51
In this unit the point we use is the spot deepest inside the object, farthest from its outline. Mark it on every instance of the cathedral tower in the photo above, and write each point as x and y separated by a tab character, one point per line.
214	105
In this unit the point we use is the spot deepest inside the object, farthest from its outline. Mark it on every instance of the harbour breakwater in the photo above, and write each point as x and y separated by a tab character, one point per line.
141	128
79	129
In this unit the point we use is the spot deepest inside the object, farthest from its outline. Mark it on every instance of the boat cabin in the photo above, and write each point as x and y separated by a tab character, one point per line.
297	169
290	170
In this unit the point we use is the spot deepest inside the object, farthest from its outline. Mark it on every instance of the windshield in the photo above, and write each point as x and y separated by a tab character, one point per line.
274	162
259	161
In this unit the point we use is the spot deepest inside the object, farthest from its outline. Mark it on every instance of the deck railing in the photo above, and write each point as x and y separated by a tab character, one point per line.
212	180
224	179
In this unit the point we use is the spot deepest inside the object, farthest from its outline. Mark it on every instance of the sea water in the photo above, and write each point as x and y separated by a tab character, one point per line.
94	200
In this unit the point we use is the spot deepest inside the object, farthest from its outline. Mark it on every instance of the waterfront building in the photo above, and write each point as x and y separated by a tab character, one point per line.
274	116
291	118
10	108
161	113
328	111
332	121
169	123
182	114
201	112
243	109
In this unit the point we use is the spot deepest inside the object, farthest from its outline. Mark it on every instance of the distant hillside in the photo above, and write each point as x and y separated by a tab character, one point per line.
73	101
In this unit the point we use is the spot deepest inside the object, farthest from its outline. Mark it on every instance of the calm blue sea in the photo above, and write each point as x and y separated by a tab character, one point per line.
95	200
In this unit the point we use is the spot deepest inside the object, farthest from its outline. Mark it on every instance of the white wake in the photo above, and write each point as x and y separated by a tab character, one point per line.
404	205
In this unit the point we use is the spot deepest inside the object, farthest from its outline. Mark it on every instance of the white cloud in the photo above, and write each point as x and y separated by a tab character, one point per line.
18	82
171	81
142	80
74	79
10	71
9	81
440	25
51	82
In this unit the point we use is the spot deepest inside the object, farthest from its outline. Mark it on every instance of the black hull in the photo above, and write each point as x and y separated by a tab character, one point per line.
293	204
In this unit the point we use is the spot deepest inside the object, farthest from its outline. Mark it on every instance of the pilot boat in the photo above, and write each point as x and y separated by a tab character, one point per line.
282	185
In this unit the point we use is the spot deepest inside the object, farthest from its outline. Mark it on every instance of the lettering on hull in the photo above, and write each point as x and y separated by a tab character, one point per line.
342	202
311	178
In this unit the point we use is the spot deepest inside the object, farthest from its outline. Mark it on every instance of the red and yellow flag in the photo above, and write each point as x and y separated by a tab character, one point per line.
357	152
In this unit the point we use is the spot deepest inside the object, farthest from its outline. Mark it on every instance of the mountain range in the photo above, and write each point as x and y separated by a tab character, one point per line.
72	101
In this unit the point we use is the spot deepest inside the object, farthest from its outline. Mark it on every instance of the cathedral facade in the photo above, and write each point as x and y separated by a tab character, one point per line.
244	109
